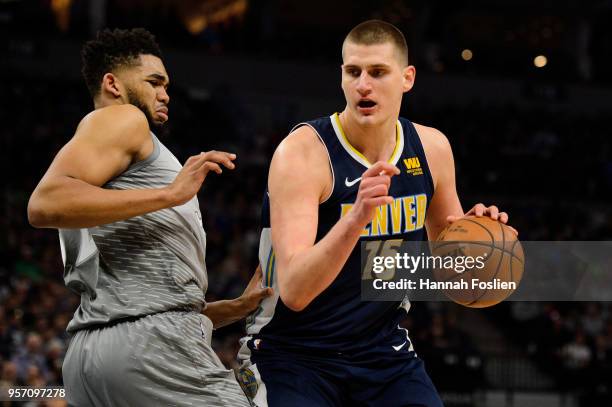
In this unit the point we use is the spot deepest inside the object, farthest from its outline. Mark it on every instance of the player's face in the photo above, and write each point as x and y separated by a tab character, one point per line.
374	80
146	86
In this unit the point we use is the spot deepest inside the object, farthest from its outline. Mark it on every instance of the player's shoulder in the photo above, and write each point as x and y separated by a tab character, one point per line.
301	144
116	117
302	157
433	140
125	124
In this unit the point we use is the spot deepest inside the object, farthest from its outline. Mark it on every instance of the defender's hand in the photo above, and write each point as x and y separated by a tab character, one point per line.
254	292
373	191
189	181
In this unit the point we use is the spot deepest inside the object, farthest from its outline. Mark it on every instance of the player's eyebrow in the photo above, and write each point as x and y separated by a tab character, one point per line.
379	66
373	66
159	77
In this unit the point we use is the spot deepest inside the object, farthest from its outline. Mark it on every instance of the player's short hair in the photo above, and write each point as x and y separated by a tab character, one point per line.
373	32
114	49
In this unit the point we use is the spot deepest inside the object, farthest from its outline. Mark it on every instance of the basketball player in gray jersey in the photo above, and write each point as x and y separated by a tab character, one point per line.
133	243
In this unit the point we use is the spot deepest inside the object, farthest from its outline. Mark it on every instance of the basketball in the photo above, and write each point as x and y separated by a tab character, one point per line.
497	261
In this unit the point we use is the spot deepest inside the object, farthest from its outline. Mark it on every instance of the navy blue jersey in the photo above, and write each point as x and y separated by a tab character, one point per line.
337	320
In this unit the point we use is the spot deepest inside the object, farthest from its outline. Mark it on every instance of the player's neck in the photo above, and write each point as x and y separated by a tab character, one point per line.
101	102
376	143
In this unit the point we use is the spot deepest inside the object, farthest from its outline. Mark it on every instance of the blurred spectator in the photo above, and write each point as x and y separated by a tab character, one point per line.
593	320
30	360
9	375
6	339
576	355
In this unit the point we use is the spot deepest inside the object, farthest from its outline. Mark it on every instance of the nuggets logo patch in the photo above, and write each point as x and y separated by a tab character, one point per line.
247	380
413	166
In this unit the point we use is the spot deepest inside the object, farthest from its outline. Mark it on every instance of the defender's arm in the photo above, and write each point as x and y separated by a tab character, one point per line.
106	142
225	312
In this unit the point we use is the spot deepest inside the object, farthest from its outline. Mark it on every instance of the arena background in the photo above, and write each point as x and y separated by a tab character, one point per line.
533	140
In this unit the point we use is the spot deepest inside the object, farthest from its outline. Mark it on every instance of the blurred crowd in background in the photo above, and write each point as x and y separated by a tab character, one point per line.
550	170
502	35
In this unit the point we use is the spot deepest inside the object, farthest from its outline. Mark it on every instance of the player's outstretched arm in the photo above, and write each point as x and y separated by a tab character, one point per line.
106	142
299	180
225	312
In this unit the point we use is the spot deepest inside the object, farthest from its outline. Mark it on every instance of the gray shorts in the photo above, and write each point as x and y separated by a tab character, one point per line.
158	360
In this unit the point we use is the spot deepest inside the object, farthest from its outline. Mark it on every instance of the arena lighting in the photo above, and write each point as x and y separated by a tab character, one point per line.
199	14
467	54
540	61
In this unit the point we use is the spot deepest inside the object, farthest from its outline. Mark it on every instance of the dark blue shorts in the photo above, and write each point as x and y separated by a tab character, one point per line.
393	379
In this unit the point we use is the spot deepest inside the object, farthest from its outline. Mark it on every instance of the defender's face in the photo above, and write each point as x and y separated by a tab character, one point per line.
147	85
373	81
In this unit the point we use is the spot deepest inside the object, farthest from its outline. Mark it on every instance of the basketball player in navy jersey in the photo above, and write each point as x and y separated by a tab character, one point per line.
363	174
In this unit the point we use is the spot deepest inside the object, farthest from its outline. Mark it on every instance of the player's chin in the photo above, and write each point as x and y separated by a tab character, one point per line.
158	125
159	122
367	118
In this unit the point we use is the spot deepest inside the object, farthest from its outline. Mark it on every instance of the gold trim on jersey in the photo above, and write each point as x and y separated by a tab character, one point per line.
356	154
269	276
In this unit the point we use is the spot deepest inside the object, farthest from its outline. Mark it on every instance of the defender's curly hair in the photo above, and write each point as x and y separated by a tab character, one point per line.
114	49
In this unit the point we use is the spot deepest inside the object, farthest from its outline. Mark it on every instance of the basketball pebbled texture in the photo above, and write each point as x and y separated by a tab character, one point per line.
480	236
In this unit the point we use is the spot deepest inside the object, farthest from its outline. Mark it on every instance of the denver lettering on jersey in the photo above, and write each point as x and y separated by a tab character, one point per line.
405	214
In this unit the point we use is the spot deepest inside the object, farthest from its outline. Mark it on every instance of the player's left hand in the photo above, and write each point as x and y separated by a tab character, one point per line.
254	292
481	210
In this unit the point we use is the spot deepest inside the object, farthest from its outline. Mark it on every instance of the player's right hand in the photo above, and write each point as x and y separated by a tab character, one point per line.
373	191
189	180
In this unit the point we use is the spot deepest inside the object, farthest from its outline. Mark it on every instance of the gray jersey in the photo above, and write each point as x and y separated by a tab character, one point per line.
139	266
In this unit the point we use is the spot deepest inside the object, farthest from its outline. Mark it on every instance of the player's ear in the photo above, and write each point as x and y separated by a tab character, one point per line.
111	85
408	76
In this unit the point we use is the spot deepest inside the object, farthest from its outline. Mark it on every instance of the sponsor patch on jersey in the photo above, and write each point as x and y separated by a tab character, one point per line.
413	166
